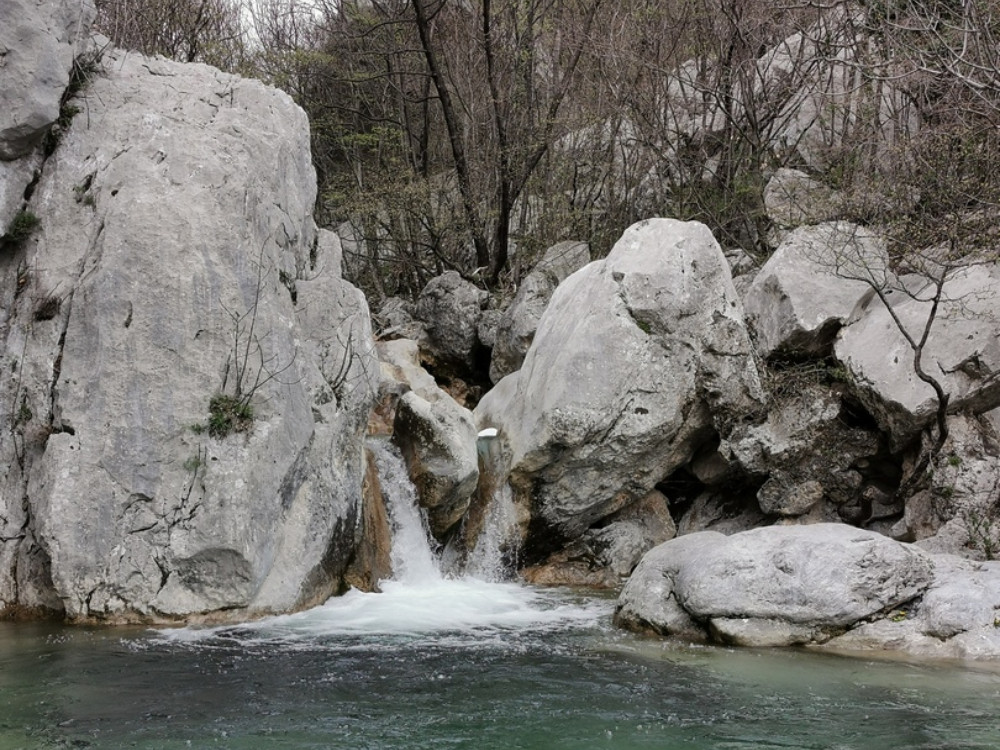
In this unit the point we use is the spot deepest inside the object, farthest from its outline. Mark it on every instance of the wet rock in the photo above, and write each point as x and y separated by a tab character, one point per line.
372	561
435	434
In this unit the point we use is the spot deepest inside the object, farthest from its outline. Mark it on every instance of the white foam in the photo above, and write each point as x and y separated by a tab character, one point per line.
467	607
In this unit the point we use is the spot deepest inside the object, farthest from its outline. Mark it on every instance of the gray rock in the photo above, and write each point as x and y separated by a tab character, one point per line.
604	556
489	323
439	446
722	512
958	514
805	450
810	286
957	618
636	360
396	320
175	261
517	326
436	436
648	602
778	585
38	42
450	308
962	352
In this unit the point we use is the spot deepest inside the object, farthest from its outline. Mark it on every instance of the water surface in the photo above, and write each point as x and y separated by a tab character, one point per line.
466	664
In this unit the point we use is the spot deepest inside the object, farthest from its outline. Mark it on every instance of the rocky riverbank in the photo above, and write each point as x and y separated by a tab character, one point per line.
188	381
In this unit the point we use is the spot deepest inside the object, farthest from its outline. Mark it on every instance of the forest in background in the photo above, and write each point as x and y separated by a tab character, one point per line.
473	134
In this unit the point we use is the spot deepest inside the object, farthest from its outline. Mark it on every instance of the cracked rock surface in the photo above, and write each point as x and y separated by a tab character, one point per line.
177	259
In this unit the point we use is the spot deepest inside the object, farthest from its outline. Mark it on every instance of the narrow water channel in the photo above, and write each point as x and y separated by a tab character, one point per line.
437	662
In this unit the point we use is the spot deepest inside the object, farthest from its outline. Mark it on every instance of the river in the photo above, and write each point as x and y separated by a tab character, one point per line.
438	662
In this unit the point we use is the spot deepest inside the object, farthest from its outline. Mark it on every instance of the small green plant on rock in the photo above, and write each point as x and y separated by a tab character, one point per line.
21	227
228	414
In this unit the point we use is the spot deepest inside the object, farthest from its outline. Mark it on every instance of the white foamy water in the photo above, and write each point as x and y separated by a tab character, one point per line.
419	600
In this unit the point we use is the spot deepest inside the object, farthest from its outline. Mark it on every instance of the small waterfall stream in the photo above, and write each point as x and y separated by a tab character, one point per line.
418	601
413	557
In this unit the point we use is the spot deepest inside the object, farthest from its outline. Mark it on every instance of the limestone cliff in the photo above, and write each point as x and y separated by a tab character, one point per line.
175	259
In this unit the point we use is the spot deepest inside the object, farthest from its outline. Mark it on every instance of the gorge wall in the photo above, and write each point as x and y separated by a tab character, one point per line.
186	377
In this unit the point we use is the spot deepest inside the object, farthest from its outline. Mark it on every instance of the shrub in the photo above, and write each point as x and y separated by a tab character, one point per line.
228	414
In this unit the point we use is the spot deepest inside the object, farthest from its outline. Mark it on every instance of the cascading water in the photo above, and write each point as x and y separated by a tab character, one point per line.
419	600
488	559
413	559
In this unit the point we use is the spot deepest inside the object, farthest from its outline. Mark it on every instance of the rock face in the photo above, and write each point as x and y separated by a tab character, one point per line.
38	42
637	359
778	585
810	286
517	326
962	351
450	308
956	619
176	261
807	452
604	557
436	436
958	512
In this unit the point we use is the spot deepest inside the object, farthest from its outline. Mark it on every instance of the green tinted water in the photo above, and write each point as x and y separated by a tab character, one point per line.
567	681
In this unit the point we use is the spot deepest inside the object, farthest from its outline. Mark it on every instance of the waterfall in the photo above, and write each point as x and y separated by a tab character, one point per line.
489	559
413	557
418	601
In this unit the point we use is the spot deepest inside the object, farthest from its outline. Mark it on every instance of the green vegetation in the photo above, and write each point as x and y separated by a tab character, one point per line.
228	415
21	227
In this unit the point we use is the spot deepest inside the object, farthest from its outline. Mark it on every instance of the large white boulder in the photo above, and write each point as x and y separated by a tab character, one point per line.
637	360
177	260
810	286
962	350
777	585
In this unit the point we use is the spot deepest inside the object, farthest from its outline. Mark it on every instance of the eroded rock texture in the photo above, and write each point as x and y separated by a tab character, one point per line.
177	260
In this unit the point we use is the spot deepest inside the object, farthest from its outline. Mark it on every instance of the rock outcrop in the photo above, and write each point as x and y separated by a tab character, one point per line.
518	323
807	454
604	557
436	436
450	308
38	44
962	350
810	286
177	262
637	360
